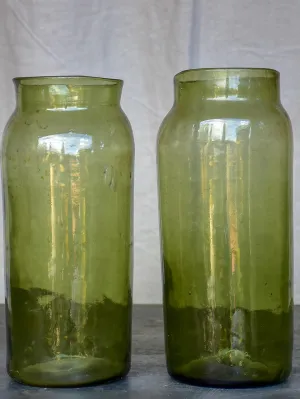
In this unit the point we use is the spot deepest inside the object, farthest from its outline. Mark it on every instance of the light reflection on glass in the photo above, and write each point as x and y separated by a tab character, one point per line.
221	166
65	159
67	109
66	143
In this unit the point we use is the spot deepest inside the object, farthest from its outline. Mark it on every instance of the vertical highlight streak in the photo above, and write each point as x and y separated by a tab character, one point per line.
52	270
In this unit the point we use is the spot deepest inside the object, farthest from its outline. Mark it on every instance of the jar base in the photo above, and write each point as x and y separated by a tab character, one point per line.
68	371
225	376
213	383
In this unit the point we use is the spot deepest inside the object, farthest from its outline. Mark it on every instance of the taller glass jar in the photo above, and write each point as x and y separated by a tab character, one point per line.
225	177
67	159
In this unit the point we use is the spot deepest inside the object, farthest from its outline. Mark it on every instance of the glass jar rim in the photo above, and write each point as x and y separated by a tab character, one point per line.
201	74
76	80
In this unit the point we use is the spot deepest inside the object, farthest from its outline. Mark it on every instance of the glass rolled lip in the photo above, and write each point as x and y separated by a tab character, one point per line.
202	74
75	80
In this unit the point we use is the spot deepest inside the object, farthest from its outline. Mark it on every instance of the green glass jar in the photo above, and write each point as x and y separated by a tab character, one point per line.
225	189
67	159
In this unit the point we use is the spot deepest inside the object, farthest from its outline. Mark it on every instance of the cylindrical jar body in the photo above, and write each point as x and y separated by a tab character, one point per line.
225	190
67	159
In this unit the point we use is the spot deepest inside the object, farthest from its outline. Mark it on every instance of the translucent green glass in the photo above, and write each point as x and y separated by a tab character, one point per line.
67	159
225	189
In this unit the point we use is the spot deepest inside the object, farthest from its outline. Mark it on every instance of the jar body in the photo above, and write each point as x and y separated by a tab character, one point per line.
225	176
67	176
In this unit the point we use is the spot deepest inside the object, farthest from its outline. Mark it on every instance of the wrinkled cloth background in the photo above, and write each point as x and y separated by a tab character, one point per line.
145	43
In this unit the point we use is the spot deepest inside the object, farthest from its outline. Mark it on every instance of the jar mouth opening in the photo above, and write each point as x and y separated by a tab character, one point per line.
66	80
201	74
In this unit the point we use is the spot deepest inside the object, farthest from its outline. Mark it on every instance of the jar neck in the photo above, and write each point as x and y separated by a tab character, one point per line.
227	85
66	93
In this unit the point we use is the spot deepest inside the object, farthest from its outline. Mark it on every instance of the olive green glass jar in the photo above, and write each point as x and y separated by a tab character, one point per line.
67	160
225	189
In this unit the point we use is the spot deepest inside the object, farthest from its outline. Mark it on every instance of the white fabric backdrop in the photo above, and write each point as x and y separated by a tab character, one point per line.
145	43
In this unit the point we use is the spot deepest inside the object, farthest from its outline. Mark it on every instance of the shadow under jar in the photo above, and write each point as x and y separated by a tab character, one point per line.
225	177
67	159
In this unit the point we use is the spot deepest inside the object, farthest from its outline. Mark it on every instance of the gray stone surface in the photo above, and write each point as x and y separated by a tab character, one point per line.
148	377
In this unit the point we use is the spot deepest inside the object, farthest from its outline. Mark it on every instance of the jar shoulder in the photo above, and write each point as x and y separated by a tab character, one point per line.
188	124
105	128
